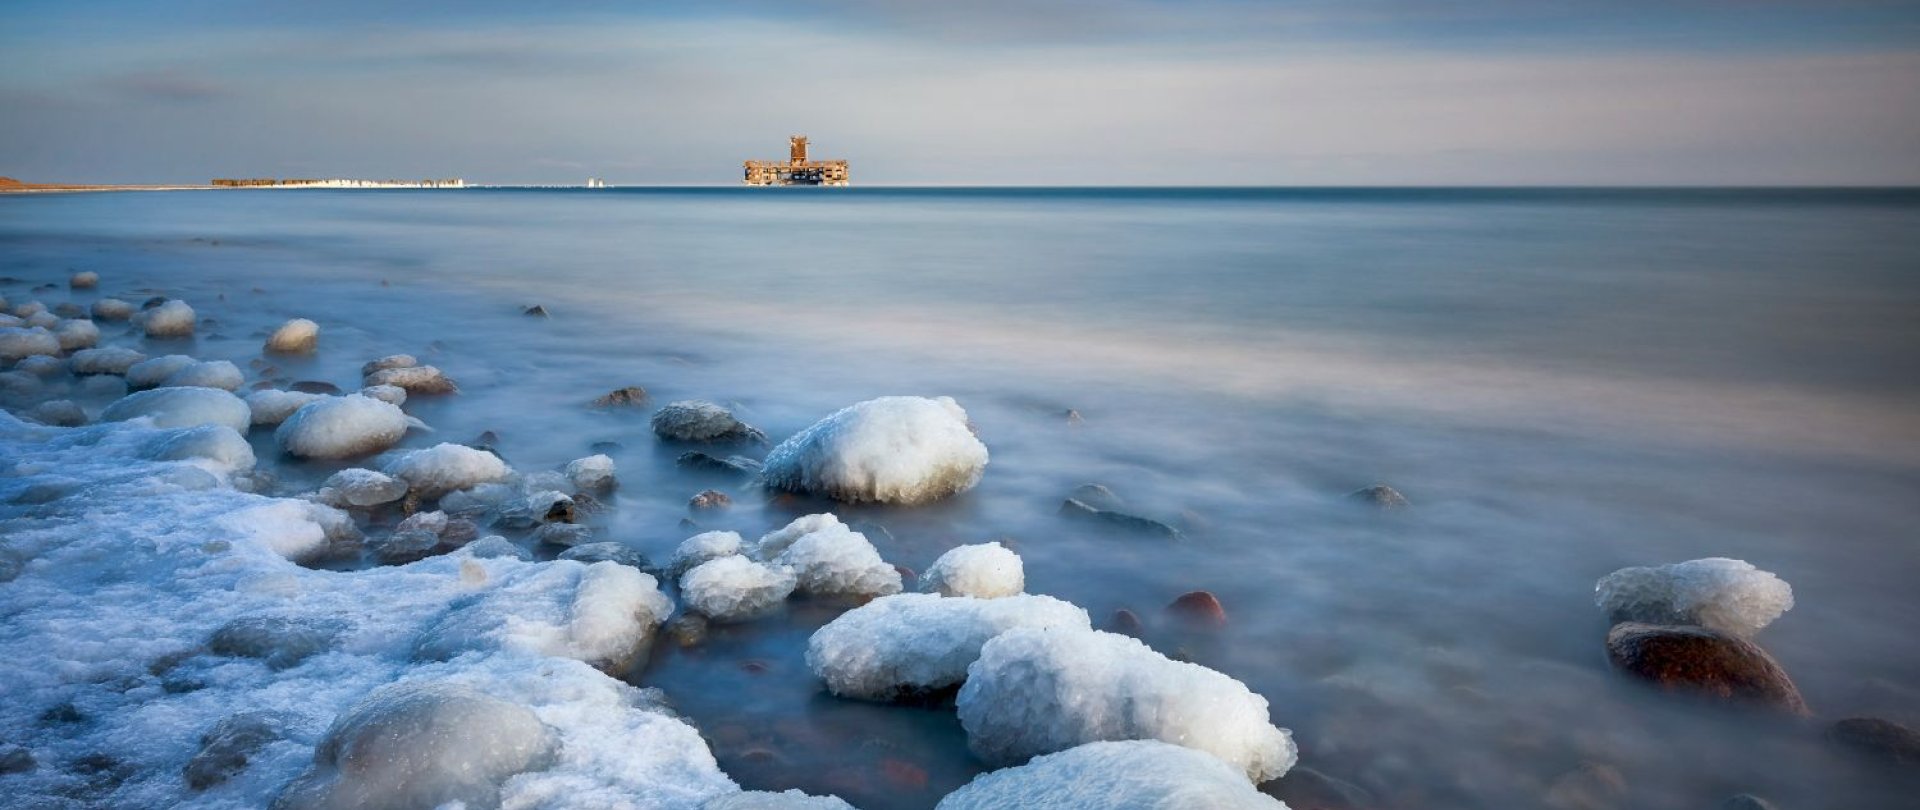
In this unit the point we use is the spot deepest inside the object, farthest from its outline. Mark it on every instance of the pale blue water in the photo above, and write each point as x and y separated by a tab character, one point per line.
1563	381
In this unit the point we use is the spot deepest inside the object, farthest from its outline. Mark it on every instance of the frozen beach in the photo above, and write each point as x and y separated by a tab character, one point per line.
217	599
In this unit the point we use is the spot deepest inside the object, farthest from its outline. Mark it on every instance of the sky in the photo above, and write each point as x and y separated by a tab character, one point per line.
985	92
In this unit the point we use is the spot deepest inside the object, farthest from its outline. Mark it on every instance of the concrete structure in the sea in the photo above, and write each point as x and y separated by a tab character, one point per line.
797	170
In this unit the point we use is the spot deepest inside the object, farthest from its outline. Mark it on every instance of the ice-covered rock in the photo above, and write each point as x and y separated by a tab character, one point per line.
387	362
416	379
831	559
732	589
773	543
297	336
17	342
1135	774
701	421
272	407
358	488
914	644
985	570
84	280
290	529
494	546
767	800
169	320
564	534
604	614
421	744
608	551
280	641
1727	595
903	450
42	320
1035	691
701	548
10	321
227	747
216	447
59	413
391	394
111	309
41	365
591	474
76	334
341	427
109	360
422	535
221	374
181	407
154	371
28	309
445	468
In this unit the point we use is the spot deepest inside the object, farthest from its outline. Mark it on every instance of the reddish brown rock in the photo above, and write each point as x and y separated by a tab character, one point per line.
1885	740
1699	661
1199	608
710	499
630	395
1126	623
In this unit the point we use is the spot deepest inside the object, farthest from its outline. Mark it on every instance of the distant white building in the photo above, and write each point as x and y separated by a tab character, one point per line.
595	182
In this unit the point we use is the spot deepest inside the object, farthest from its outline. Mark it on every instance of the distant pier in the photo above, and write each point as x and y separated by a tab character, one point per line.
797	170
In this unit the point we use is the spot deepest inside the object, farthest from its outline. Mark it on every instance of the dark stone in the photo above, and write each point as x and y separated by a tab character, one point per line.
563	534
69	309
16	759
1746	801
1884	740
1304	788
687	629
1126	623
696	460
710	499
536	311
1708	663
1380	496
619	397
153	302
316	387
607	447
1079	510
281	642
226	748
1096	496
62	715
701	421
1198	608
560	512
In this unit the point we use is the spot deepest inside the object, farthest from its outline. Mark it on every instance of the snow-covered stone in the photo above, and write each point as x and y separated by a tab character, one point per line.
1731	596
1036	691
701	548
391	394
76	333
591	474
17	342
272	407
108	360
701	421
904	450
59	413
416	379
28	309
445	468
169	320
359	488
985	570
1135	774
288	528
41	365
768	800
914	644
221	374
387	362
217	447
494	546
341	427
830	559
84	280
43	320
111	309
182	407
154	371
732	589
297	336
604	614
608	551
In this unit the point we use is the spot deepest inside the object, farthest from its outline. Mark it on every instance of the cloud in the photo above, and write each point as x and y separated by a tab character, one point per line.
167	85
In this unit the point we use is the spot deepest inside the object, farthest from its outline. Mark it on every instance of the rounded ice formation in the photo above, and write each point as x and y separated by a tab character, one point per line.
44	320
445	468
832	560
701	421
41	365
390	361
732	589
914	644
84	280
1135	774
18	342
357	487
591	474
76	334
218	446
28	309
220	374
604	614
271	407
182	407
341	427
171	319
1035	691
421	744
1723	594
112	309
701	548
904	450
391	394
297	336
154	371
985	570
416	379
110	360
767	800
59	413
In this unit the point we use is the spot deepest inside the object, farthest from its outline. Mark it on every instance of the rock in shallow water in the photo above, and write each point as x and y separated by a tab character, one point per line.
1704	662
903	450
226	748
1078	510
1727	595
280	641
701	421
1884	740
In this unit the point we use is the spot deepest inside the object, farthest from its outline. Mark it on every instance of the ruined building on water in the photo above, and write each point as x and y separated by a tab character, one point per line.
797	169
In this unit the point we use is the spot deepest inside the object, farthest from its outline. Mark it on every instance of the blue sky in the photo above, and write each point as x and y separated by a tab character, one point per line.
987	92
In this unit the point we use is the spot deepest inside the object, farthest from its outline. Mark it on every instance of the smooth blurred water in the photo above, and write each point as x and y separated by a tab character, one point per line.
1563	381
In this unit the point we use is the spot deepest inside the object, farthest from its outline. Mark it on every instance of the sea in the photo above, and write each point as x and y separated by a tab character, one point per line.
1561	382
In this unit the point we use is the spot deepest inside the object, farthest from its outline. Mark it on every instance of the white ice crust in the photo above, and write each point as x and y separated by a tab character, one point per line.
904	450
701	548
220	374
108	360
341	427
271	407
1723	594
732	589
296	336
445	468
766	800
155	370
592	473
18	342
76	333
1035	691
985	570
356	487
912	644
1135	774
829	559
182	407
603	614
171	319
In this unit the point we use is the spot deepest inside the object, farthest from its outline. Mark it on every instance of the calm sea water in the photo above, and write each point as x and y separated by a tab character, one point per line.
1563	382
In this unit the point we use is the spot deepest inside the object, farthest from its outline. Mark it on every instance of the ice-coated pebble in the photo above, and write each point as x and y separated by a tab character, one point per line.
109	360
604	614
216	447
767	800
76	334
831	559
17	342
904	450
341	427
1135	774
220	374
732	589
272	407
59	413
155	370
169	320
985	570
391	394
297	336
111	309
390	361
913	644
182	407
356	487
701	421
701	548
591	474
416	379
446	467
84	280
1731	596
41	365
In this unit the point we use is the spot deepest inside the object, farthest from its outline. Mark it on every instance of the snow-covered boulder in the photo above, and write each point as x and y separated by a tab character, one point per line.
17	342
733	589
591	474
421	744
297	336
904	450
985	570
604	614
829	559
391	394
1135	774
43	320
181	407
111	309
416	379
59	413
109	360
292	529
445	468
41	365
341	427
1731	596
1035	691
272	407
154	371
767	800
696	420
76	333
169	320
915	644
387	362
221	374
358	488
28	309
703	547
84	280
216	447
